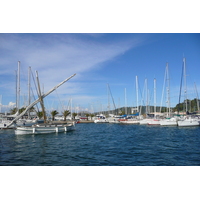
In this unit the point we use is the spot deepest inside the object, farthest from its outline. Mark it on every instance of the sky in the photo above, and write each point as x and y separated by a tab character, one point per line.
100	60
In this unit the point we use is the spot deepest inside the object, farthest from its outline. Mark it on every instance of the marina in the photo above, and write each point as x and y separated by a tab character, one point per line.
123	127
141	133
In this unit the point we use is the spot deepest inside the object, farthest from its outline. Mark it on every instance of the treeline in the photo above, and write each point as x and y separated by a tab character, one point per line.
192	106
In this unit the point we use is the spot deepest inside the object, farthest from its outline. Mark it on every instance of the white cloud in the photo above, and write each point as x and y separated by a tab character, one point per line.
11	104
58	56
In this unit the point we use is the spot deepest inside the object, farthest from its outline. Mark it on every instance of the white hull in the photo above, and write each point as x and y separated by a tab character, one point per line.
113	121
168	122
4	126
130	122
40	129
100	121
188	122
145	121
154	122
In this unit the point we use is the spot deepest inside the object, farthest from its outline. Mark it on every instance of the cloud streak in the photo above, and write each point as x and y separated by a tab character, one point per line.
57	56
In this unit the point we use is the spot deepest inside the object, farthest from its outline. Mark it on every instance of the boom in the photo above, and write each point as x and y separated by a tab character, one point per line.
36	101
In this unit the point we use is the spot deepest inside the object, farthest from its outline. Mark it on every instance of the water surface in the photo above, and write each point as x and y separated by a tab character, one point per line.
104	145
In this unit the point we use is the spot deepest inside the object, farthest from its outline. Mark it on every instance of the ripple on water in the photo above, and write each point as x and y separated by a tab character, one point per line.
104	145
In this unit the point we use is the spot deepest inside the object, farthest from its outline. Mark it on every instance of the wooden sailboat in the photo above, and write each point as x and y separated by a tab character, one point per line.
43	128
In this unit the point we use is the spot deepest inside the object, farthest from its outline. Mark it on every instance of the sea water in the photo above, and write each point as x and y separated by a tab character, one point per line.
104	145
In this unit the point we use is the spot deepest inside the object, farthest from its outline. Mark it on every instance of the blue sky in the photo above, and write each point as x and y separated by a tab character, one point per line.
98	60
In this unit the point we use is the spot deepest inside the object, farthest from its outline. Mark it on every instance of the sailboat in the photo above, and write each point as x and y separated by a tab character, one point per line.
187	120
42	128
169	121
155	121
146	120
132	118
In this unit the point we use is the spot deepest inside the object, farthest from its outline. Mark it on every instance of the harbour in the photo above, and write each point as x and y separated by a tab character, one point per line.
147	149
105	144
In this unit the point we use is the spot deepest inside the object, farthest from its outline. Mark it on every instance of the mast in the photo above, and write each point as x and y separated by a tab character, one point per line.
108	99
146	96
18	87
185	85
179	101
71	108
0	102
136	80
163	90
168	90
125	101
112	99
154	98
16	92
197	97
29	89
40	97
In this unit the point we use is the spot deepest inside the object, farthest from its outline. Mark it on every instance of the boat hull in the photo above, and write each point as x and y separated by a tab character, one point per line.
154	122
44	129
168	122
130	122
188	123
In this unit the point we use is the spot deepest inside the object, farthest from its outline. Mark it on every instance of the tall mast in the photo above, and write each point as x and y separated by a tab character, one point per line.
154	98
109	91
71	108
185	85
108	99
136	80
125	101
168	90
146	96
41	98
0	102
197	97
18	87
16	91
29	88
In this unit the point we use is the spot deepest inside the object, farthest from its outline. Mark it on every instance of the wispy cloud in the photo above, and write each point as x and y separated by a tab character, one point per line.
57	56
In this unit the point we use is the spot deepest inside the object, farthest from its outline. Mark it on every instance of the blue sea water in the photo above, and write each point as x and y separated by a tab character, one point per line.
104	145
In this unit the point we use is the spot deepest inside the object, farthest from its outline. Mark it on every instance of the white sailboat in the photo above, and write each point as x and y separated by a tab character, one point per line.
114	119
187	120
145	121
154	121
45	128
100	119
172	121
169	121
130	121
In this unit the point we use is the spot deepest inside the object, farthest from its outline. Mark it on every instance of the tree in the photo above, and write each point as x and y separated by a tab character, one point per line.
53	114
191	105
22	110
39	114
91	115
87	115
65	114
74	115
13	111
